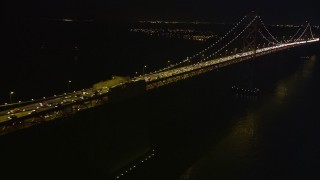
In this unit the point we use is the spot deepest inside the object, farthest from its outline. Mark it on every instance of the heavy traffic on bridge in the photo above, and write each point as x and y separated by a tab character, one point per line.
173	72
67	99
47	109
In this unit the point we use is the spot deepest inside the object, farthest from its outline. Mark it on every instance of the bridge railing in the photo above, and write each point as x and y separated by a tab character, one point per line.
50	110
24	103
194	67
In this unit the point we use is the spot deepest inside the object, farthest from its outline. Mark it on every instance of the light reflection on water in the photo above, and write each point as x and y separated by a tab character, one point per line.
226	154
294	82
237	155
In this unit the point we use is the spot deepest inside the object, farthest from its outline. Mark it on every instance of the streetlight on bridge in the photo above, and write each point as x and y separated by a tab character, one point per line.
143	69
10	94
69	85
168	62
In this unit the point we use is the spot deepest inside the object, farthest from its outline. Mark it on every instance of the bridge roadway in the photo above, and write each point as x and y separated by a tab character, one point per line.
158	79
50	109
65	105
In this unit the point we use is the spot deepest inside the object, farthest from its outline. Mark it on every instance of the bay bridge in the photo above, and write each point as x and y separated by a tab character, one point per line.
249	39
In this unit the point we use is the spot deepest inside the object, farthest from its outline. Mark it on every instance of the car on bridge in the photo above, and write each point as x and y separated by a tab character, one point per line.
12	117
13	111
32	112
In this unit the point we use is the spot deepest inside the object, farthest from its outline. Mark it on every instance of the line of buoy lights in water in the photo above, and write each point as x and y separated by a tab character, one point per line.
305	57
135	165
254	90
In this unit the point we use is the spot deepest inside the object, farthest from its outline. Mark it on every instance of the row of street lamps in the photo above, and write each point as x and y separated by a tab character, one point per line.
230	52
11	93
145	67
143	70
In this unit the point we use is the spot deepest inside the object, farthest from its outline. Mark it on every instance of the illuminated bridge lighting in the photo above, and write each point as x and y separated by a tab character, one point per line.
58	106
134	165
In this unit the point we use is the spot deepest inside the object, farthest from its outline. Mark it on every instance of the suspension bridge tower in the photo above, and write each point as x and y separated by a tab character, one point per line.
246	86
250	34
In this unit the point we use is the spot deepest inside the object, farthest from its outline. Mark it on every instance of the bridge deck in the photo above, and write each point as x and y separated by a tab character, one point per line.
159	76
48	109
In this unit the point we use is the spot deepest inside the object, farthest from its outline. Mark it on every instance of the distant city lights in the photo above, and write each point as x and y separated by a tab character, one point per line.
187	34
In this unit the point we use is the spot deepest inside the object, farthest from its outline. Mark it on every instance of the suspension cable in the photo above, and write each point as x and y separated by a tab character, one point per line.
232	39
295	34
268	30
302	33
311	31
230	31
209	47
264	37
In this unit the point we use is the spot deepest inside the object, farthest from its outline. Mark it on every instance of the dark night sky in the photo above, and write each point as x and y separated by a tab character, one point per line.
273	11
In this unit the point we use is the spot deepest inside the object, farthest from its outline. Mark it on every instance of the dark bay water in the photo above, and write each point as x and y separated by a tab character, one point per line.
211	134
198	128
